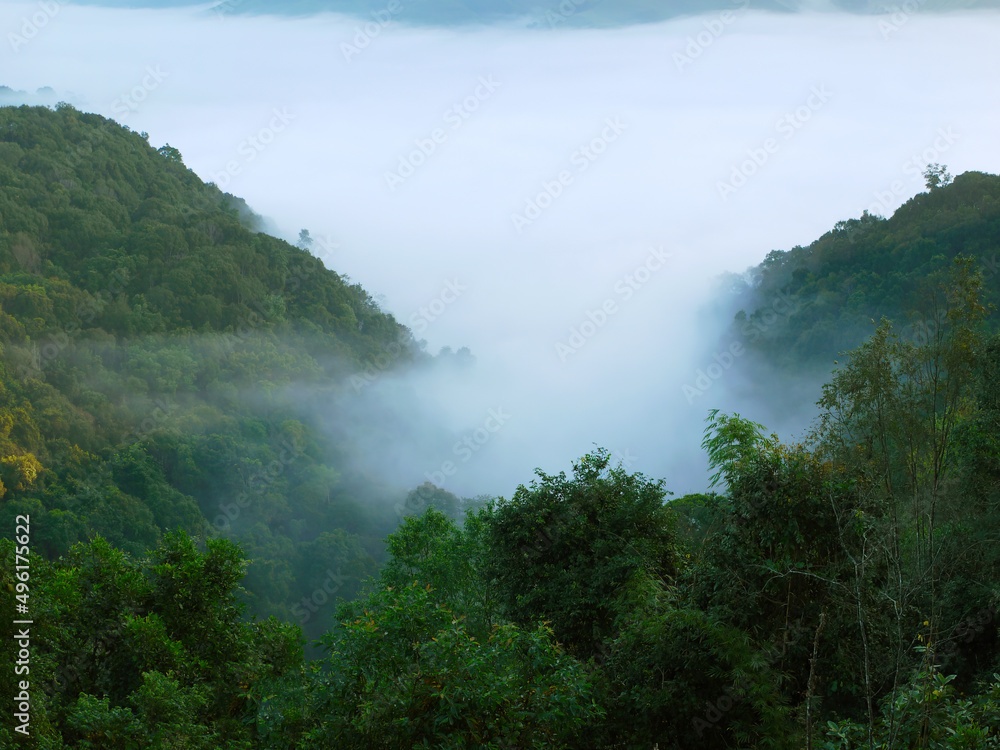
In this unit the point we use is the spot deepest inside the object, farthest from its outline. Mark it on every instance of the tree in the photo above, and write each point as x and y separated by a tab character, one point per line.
170	153
936	176
562	550
731	442
421	662
430	550
405	672
148	653
899	419
674	671
798	547
979	437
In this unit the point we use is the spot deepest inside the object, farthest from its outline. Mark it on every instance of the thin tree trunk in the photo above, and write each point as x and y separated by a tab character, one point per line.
811	685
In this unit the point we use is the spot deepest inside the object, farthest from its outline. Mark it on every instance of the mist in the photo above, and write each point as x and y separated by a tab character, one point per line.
560	201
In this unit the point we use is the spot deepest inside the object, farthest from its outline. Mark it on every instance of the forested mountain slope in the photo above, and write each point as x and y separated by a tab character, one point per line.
842	284
162	363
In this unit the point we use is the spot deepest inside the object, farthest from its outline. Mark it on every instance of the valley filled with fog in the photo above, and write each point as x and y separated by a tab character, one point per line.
559	200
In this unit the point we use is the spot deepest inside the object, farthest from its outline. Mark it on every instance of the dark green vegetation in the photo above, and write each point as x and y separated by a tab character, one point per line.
841	285
162	367
189	516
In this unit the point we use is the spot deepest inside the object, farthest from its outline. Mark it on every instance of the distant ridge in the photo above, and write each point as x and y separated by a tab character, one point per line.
540	13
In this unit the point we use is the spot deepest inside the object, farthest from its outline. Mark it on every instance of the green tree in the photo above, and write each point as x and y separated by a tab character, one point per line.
674	674
423	661
562	550
151	653
937	176
408	673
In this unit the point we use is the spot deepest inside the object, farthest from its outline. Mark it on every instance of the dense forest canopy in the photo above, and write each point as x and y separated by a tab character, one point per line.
163	363
193	526
867	268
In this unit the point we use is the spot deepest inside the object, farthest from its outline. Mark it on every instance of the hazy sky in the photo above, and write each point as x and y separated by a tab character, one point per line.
501	186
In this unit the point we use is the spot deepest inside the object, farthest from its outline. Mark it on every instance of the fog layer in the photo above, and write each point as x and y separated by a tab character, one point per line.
557	200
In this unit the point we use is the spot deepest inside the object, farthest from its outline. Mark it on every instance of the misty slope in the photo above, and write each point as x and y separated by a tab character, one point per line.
84	197
862	270
580	13
164	366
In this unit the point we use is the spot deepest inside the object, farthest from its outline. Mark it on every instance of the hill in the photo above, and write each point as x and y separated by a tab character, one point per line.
843	283
163	365
552	14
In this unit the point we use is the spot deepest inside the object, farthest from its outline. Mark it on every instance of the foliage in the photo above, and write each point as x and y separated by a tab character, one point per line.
561	550
676	677
407	673
422	661
730	441
154	353
928	713
150	653
800	308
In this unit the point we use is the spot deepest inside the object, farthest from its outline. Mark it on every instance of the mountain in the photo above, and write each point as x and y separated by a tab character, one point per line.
535	13
164	365
799	309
